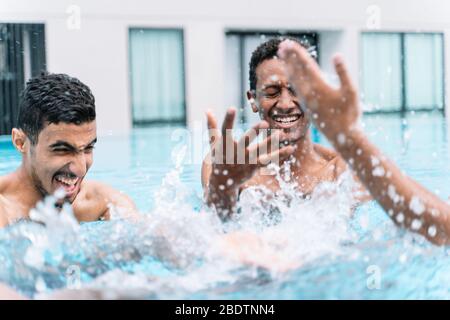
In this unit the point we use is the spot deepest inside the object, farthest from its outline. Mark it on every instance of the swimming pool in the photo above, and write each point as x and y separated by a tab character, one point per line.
323	252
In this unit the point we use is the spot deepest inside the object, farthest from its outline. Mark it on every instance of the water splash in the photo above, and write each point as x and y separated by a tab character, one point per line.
177	251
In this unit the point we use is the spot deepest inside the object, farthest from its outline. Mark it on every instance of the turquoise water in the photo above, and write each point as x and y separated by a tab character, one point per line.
360	257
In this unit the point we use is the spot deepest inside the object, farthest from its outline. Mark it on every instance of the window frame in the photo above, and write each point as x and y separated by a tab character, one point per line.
143	123
269	34
404	109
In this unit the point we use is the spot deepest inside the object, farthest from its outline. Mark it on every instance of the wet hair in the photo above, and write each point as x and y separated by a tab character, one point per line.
266	51
54	98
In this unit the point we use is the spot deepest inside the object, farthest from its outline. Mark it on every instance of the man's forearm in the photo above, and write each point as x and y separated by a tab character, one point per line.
6	293
408	203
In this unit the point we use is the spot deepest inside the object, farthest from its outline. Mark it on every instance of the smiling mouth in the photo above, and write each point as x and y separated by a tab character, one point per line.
67	182
286	119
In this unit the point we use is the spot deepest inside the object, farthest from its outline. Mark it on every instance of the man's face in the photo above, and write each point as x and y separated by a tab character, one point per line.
277	103
62	157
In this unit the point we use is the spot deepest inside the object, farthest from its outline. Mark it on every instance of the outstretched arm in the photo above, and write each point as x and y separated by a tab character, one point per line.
408	203
336	112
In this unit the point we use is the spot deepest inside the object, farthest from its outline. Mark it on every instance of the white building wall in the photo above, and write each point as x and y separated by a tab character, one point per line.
97	52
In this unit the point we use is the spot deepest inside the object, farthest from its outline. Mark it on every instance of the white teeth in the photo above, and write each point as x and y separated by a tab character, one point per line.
286	119
67	181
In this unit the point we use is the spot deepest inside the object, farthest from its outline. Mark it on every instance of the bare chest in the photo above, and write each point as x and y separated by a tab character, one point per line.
304	182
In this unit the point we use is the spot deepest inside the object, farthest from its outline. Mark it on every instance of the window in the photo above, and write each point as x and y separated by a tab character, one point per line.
424	71
402	72
22	56
239	48
381	65
157	76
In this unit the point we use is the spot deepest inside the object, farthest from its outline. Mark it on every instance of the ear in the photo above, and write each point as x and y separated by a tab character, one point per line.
19	139
251	99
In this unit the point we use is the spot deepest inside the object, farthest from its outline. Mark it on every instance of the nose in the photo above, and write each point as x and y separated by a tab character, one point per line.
79	164
286	101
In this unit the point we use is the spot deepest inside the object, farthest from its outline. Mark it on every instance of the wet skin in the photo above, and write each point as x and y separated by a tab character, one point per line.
60	159
279	108
409	204
277	103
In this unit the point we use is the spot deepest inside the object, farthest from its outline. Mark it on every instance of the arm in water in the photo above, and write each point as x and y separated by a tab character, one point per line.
335	112
6	293
231	163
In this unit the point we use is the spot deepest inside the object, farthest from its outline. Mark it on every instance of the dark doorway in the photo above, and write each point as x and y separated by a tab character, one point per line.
22	56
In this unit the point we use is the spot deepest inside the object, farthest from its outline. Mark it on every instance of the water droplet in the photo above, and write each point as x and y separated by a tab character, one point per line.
416	224
341	138
416	206
432	231
403	258
400	218
378	171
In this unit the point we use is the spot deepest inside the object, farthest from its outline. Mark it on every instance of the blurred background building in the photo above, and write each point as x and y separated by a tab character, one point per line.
154	62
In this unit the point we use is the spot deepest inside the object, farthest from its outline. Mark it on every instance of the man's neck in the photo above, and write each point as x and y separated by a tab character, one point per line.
23	186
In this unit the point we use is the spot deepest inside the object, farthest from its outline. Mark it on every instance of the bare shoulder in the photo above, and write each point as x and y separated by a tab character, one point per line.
95	190
339	166
327	153
333	158
4	181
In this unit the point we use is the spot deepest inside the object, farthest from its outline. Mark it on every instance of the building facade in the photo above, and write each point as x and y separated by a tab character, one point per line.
158	62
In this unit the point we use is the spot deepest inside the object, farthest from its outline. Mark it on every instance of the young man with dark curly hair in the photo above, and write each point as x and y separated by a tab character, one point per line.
55	134
272	96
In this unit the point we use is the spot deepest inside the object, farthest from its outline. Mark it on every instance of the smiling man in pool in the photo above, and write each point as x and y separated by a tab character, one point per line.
56	134
273	98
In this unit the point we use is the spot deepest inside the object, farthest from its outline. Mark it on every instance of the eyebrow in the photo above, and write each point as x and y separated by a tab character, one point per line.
268	86
67	145
276	86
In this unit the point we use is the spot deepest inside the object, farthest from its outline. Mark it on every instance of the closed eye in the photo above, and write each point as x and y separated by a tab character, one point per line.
61	150
89	149
271	92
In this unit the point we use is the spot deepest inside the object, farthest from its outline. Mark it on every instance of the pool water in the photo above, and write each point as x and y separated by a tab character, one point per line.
177	248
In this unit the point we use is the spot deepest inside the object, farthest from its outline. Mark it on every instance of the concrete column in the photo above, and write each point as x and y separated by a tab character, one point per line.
205	57
97	54
344	41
